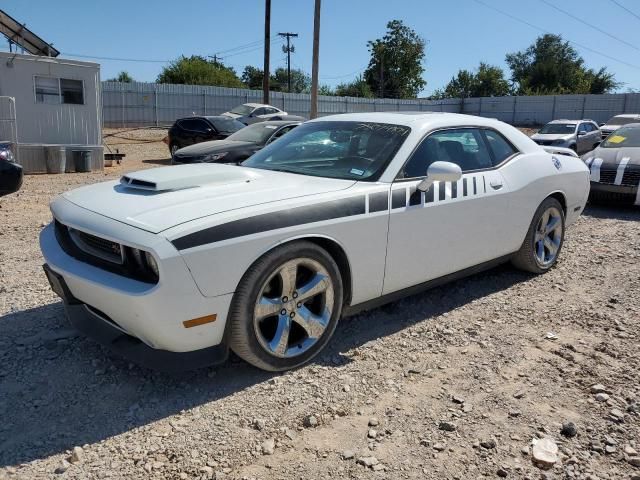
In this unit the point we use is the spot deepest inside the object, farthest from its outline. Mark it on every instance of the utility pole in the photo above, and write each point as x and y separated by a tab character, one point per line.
215	58
380	61
288	49
315	59
267	48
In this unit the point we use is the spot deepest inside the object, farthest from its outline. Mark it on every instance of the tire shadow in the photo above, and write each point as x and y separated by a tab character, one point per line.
59	389
619	212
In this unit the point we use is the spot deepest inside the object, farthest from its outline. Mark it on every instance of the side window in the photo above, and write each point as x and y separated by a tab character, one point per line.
259	111
499	146
270	110
464	147
281	132
582	128
201	126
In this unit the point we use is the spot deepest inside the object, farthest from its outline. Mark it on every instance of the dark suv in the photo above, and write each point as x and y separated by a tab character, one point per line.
190	130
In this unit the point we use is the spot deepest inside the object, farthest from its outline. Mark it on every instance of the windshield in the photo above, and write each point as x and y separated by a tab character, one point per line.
242	110
257	133
623	137
227	125
558	128
346	150
621	120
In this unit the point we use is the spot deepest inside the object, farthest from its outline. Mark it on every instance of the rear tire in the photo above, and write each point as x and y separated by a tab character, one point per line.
286	307
543	242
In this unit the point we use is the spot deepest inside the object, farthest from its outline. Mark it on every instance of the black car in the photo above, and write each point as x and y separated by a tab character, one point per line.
237	147
190	130
10	171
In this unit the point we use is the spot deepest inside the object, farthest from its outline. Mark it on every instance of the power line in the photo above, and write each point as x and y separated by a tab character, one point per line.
513	17
595	27
626	9
346	74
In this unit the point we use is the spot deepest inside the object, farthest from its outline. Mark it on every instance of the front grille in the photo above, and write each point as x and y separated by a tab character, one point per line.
608	175
99	247
544	142
631	177
102	253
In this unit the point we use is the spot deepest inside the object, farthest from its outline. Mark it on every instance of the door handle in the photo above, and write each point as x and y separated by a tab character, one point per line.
496	184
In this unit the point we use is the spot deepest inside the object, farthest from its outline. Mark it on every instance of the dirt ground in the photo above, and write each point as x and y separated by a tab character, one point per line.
454	383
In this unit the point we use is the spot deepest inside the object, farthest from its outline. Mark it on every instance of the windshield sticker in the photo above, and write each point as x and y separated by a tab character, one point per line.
616	139
271	127
357	171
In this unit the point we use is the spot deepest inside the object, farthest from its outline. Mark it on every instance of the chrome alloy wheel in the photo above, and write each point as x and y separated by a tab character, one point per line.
293	308
548	237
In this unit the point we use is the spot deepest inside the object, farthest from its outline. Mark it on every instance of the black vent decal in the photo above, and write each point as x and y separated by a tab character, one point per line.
399	198
454	189
428	195
378	202
415	197
475	186
442	192
464	187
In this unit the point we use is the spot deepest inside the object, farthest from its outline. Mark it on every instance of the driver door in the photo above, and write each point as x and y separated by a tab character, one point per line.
453	225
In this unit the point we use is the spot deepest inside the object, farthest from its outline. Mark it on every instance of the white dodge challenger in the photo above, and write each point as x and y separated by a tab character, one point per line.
174	266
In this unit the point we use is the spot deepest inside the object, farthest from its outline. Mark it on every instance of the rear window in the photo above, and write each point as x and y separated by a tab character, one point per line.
558	128
227	125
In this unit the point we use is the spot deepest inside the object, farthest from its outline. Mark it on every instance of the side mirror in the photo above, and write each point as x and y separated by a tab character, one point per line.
602	124
440	172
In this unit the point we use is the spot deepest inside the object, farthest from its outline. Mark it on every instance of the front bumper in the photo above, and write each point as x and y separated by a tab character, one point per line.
100	328
152	313
625	194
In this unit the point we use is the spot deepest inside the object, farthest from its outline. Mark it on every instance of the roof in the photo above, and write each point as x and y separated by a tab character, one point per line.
411	118
276	122
254	105
565	120
628	115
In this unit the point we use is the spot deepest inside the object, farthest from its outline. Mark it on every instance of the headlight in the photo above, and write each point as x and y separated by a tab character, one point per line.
214	157
151	263
7	155
145	263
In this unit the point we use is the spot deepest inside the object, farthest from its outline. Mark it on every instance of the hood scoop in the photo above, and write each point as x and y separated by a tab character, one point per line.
181	177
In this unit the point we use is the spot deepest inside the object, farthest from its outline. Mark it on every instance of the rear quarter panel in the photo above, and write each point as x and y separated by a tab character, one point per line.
532	177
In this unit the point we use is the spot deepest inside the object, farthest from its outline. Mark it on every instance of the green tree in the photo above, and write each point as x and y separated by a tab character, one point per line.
487	81
326	90
122	77
552	66
197	70
357	88
252	77
395	68
300	81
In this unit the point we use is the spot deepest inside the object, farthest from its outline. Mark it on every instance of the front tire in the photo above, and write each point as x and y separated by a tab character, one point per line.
286	307
543	242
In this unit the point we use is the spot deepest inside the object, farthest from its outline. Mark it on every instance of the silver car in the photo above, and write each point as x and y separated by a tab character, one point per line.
579	135
618	121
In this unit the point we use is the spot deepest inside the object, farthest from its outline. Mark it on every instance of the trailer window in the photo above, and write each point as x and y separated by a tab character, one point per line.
55	91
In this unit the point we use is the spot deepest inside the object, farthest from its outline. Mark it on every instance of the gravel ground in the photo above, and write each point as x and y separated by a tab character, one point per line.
455	383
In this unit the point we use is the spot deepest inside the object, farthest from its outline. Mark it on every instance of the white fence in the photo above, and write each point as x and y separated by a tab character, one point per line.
145	104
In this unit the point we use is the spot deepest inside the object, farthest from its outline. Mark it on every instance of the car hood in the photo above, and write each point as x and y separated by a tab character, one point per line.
232	115
609	128
214	146
613	156
550	136
160	198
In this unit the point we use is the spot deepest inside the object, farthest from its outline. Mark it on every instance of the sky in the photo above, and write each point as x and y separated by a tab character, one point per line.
459	33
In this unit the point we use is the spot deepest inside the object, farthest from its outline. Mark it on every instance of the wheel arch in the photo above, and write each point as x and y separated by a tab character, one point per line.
561	197
333	247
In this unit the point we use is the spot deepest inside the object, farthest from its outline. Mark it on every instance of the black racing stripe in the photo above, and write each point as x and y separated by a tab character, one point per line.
378	202
428	195
464	187
454	189
475	186
442	190
610	163
272	221
399	198
415	197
